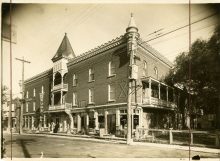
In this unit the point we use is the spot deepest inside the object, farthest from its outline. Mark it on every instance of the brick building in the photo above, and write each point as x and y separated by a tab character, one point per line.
90	91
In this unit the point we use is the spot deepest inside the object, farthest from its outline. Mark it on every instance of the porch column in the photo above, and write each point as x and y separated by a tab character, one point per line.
167	94
149	90
106	125
87	120
96	120
28	122
45	121
52	99
173	95
159	90
61	97
78	122
32	122
25	121
117	118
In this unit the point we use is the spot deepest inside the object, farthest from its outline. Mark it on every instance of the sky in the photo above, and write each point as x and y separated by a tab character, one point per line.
40	29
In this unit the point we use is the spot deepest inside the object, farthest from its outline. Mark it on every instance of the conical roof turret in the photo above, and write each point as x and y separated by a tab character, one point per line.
65	50
132	27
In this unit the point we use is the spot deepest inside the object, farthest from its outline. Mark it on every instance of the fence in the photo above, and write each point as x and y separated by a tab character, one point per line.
182	137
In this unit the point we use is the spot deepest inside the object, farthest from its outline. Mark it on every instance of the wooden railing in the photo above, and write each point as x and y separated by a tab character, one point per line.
159	102
60	107
60	86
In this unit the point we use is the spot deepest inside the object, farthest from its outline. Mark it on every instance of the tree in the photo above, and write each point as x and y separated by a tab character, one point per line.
4	94
199	72
37	116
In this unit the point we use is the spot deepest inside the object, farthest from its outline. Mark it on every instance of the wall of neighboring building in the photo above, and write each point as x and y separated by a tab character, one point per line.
44	81
100	85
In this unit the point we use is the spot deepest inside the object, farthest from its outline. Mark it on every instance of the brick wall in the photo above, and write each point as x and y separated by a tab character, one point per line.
37	84
100	85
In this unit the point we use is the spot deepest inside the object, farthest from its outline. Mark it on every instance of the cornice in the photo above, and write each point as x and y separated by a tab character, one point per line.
38	76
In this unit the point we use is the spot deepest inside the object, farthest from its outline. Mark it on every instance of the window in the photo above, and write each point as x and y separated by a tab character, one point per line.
91	95
42	89
74	99
145	68
156	71
27	94
34	92
111	93
111	68
91	75
34	106
26	107
74	79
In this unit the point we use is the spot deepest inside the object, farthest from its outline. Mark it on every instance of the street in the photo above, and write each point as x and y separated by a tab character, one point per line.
31	146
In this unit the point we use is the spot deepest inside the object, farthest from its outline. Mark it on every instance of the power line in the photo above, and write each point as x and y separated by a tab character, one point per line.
181	27
175	23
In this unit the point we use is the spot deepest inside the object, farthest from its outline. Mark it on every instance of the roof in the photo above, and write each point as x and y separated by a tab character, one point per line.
40	75
132	23
65	50
154	52
117	41
100	49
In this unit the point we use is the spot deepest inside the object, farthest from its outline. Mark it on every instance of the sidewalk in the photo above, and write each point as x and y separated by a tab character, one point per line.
117	140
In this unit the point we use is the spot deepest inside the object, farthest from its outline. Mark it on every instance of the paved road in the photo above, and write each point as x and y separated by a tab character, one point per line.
29	146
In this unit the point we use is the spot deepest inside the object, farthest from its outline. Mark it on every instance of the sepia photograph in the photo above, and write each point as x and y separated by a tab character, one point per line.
108	79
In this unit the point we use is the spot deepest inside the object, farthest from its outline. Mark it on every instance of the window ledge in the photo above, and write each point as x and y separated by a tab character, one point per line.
110	76
109	101
75	105
74	85
91	103
91	81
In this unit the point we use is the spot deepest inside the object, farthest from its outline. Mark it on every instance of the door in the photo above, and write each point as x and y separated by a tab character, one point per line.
111	123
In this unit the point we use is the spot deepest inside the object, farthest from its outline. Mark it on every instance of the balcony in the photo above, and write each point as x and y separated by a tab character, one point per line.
65	106
58	87
158	102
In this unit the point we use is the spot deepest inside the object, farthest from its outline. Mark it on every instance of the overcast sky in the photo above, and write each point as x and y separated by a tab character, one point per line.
40	29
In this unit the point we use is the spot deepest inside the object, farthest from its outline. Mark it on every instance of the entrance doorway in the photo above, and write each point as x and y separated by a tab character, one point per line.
111	123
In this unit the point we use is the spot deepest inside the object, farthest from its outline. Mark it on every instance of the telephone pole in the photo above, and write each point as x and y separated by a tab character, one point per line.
22	91
132	36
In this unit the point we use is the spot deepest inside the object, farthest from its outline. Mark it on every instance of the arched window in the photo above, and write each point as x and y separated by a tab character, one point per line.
57	79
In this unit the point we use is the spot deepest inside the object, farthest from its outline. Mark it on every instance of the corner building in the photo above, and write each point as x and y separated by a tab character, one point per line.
90	91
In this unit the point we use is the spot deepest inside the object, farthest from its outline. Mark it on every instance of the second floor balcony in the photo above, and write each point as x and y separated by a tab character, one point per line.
63	106
156	93
61	86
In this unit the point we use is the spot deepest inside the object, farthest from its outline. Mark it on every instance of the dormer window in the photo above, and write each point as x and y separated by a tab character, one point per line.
91	75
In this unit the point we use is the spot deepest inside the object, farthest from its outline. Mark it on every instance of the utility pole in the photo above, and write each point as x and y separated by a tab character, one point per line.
22	91
132	36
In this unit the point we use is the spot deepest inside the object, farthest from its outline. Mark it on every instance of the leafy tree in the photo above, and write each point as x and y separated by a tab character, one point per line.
37	116
198	71
4	94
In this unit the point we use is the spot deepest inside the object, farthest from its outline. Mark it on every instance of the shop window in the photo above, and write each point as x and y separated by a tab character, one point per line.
101	120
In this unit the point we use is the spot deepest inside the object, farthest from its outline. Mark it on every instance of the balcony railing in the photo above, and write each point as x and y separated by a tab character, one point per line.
61	107
158	102
60	86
